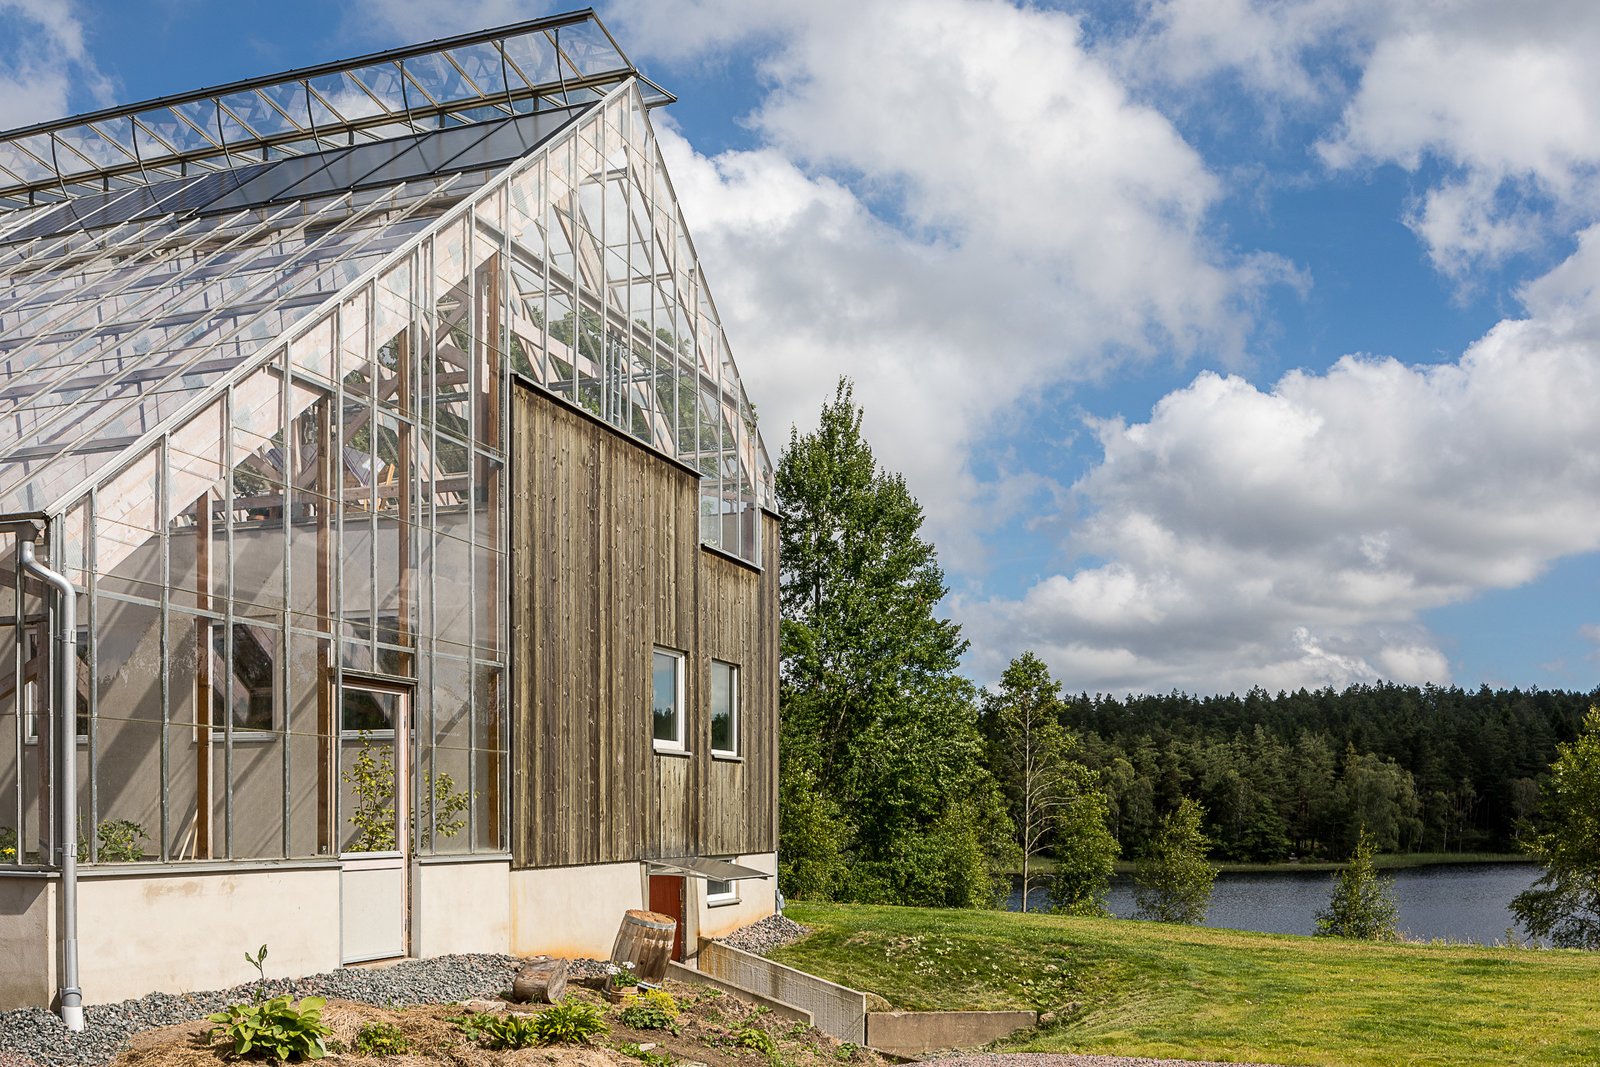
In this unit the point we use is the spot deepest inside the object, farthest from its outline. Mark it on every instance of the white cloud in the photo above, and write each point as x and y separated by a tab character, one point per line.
1296	534
955	204
45	70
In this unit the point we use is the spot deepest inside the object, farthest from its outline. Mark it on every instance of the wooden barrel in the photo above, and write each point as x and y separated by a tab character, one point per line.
645	940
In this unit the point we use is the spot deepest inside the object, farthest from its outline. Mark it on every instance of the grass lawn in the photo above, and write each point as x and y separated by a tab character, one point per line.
1147	989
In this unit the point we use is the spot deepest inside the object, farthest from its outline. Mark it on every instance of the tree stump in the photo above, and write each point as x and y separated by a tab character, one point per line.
543	982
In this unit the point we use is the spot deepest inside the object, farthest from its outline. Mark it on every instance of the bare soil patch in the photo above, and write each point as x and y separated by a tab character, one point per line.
711	1031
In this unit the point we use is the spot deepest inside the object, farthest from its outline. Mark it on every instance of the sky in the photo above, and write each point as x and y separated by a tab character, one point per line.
1226	343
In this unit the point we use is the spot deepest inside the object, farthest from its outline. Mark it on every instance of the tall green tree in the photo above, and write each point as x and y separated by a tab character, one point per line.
1173	883
874	715
1564	904
1362	904
1029	754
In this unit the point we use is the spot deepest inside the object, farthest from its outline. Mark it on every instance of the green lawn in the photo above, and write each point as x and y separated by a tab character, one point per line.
1146	989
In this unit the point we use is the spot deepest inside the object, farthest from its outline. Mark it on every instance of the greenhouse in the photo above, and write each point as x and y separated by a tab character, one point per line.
370	451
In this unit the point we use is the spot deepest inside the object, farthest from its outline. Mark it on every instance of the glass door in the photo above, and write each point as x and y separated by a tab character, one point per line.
374	817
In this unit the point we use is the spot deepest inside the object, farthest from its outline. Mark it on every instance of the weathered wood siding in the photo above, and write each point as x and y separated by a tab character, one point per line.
606	564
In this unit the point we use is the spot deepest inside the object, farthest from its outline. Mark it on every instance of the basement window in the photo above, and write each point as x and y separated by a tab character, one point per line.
718	892
667	701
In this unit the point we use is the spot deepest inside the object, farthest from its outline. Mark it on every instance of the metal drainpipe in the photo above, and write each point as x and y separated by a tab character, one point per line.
66	720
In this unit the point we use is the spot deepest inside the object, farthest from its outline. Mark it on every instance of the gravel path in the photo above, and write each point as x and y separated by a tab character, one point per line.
33	1037
1053	1059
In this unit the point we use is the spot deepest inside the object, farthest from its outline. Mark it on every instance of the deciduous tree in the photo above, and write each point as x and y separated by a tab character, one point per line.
1564	904
873	711
1173	883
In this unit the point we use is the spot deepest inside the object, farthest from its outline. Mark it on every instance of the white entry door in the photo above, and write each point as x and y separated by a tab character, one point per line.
374	821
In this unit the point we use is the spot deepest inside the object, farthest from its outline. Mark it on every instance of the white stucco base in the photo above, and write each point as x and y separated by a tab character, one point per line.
573	911
181	930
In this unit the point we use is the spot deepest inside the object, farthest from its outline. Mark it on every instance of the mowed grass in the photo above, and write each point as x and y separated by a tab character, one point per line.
1148	989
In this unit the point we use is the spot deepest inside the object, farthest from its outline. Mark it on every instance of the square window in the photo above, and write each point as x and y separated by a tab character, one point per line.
667	701
719	892
724	709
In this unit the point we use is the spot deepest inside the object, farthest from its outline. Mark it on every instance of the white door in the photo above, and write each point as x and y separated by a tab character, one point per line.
374	821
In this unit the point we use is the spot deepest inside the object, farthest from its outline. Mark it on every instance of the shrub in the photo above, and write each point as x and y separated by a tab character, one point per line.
651	1010
277	1029
650	1057
8	844
1362	905
121	841
381	1039
571	1022
758	1040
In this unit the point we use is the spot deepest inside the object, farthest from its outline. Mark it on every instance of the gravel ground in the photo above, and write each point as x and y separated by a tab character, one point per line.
770	933
33	1037
1053	1059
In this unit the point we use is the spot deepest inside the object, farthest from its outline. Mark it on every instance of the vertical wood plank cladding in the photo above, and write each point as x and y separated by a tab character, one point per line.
607	563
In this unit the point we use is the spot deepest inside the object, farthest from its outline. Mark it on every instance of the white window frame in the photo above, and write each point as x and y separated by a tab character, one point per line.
734	697
676	744
727	896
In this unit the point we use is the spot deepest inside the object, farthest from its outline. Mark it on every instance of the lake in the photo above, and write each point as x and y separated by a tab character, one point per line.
1455	902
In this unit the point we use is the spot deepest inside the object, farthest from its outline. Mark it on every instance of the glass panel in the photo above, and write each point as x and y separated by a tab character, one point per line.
127	531
667	699
724	708
443	823
128	730
369	787
247	690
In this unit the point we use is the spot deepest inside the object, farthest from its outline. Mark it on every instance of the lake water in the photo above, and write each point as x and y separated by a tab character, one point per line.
1456	902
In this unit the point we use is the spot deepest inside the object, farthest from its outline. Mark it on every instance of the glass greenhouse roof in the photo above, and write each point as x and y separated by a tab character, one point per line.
145	276
549	63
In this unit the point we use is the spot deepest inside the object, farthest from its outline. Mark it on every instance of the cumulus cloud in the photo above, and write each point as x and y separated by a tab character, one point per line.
957	205
1294	535
45	69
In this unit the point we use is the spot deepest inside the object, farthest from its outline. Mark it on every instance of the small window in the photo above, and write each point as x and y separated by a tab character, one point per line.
724	709
718	892
248	695
667	701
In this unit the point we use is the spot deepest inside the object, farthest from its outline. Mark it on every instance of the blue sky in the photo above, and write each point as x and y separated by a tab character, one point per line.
1226	342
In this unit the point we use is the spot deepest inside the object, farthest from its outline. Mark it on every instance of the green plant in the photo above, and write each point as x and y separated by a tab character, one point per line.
1564	904
650	1057
274	1029
121	841
371	777
621	975
757	1040
381	1039
568	1023
572	1022
8	844
258	961
1362	905
652	1010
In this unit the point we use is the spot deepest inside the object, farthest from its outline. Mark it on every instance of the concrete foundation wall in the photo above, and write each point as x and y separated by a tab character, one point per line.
911	1033
185	931
27	942
462	907
572	911
836	1010
756	900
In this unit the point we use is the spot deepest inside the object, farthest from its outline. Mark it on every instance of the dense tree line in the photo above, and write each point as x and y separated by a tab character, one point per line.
1425	769
902	782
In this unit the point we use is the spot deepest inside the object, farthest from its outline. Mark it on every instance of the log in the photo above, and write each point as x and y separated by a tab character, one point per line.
543	982
645	940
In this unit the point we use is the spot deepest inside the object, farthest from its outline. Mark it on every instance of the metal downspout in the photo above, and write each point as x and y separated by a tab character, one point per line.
66	722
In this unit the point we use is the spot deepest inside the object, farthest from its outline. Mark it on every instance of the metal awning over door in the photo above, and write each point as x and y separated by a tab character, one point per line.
700	867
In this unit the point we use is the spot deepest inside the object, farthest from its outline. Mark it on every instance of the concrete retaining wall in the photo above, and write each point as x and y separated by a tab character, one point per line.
835	1010
680	973
911	1033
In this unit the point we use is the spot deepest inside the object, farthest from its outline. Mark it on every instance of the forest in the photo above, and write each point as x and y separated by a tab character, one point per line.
1294	775
902	781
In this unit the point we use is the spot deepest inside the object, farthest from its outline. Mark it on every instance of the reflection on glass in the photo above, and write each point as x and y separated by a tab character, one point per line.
724	708
667	699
